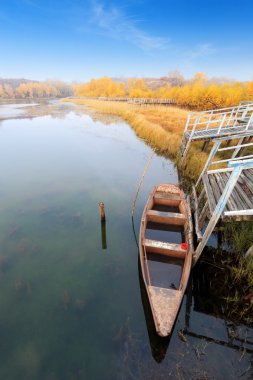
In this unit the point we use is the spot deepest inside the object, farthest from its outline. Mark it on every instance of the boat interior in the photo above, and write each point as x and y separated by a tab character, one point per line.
166	240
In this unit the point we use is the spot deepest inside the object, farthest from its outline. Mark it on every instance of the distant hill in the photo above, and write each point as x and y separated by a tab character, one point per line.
15	82
153	83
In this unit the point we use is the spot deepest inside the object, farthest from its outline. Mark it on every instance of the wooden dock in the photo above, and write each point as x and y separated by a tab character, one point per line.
224	122
224	189
140	101
151	101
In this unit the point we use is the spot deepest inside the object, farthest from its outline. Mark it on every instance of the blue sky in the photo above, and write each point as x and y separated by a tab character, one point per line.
84	39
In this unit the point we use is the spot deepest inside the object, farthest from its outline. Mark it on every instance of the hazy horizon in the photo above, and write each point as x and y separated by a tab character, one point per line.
79	40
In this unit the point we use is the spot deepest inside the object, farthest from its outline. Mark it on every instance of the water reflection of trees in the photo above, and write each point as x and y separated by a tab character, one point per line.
106	119
55	109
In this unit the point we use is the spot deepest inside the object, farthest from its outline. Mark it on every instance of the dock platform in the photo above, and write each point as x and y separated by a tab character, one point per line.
207	125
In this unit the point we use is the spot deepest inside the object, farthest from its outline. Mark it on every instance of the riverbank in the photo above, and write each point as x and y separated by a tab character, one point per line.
161	127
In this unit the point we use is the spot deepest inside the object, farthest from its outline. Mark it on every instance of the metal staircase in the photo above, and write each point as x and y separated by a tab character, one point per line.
225	187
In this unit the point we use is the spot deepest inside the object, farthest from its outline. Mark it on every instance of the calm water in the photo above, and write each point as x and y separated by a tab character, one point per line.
70	309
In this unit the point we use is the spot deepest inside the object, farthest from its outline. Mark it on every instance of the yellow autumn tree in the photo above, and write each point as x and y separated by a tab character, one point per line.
103	87
138	89
21	91
200	78
8	91
197	93
163	92
249	91
1	91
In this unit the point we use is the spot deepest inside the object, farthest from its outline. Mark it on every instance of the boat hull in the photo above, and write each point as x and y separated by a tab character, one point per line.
165	264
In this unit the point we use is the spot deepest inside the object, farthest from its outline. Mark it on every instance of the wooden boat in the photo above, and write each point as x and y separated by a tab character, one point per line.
166	247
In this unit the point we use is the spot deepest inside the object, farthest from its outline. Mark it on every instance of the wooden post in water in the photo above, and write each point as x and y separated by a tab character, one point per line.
102	211
103	225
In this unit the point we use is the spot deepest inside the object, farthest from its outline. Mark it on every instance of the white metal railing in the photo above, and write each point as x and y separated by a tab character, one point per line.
151	101
217	120
134	100
245	102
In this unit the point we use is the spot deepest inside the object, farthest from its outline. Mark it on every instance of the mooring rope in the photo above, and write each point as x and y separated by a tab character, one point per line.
141	182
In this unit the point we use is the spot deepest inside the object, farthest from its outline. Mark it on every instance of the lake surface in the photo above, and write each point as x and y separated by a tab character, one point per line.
71	309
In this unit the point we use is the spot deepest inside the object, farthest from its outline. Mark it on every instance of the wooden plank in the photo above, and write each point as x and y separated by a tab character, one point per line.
245	199
196	214
210	197
167	199
203	215
166	217
201	195
163	248
189	226
208	162
231	204
236	196
218	186
249	174
247	182
214	188
241	199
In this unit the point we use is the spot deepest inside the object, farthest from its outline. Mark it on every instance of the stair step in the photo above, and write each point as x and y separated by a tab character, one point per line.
166	217
163	248
167	199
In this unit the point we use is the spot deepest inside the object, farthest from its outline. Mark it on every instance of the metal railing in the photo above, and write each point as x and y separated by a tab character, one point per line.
216	120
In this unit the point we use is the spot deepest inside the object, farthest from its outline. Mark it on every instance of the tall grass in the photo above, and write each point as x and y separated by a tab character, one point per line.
239	236
240	288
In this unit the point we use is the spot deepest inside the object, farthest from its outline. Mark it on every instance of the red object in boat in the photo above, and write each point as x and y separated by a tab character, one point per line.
184	245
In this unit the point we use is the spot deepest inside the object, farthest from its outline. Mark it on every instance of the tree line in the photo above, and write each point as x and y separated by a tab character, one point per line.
197	93
28	89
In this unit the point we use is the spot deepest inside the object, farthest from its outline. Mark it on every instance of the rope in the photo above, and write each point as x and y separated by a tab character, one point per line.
141	181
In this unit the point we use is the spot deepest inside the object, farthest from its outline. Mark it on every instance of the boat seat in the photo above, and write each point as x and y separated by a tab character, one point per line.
167	199
163	248
166	217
